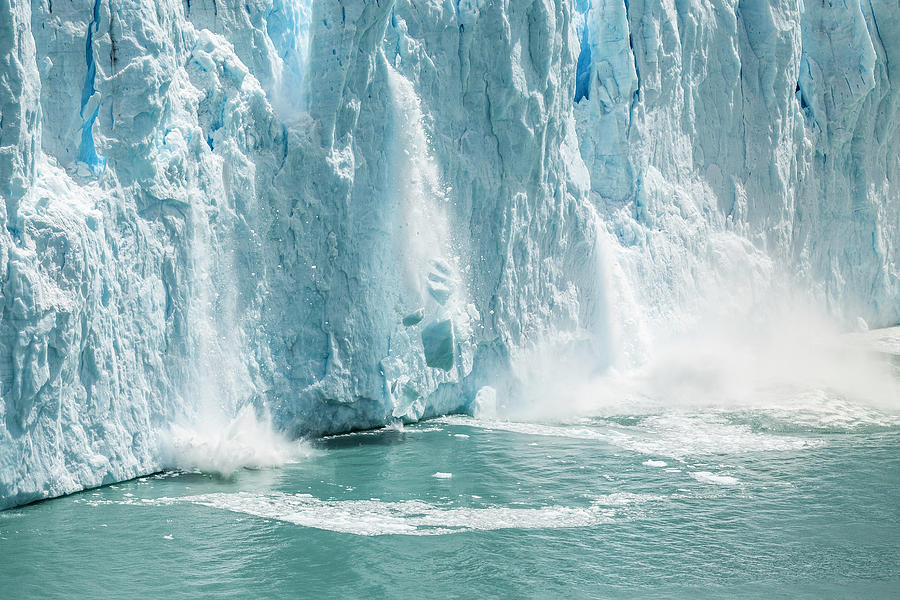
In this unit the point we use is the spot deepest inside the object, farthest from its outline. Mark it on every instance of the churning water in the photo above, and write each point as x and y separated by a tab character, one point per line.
681	503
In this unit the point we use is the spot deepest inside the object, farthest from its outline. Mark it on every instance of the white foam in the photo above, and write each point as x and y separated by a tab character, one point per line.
824	409
396	426
654	463
879	340
525	428
626	498
672	435
408	517
682	435
714	478
248	441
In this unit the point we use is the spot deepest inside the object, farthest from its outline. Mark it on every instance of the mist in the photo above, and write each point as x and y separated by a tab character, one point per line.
793	359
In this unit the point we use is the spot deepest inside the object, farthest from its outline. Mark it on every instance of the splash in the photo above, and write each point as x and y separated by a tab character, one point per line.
792	360
247	442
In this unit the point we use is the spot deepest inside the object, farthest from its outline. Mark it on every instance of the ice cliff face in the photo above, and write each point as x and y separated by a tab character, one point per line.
349	212
730	143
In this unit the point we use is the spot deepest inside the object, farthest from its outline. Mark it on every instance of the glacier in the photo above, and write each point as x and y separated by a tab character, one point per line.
346	213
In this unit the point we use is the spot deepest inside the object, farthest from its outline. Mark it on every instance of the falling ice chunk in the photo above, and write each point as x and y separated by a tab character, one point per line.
437	341
440	281
439	291
414	318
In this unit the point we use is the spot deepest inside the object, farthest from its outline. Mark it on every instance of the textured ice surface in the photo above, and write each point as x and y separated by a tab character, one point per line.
737	145
348	212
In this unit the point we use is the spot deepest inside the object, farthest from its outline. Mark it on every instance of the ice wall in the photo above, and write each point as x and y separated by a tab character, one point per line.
127	255
348	212
734	146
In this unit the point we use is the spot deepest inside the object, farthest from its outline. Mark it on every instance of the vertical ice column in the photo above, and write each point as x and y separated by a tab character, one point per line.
837	69
606	93
20	90
340	50
90	98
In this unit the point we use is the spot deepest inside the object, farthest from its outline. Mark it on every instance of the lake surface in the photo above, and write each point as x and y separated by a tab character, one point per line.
683	504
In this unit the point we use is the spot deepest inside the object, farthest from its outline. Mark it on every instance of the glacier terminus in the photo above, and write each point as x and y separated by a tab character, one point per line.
320	216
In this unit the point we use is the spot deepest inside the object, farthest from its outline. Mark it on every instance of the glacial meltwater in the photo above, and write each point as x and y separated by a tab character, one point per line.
707	503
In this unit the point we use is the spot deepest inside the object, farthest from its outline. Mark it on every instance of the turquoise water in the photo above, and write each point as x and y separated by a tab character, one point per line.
756	504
